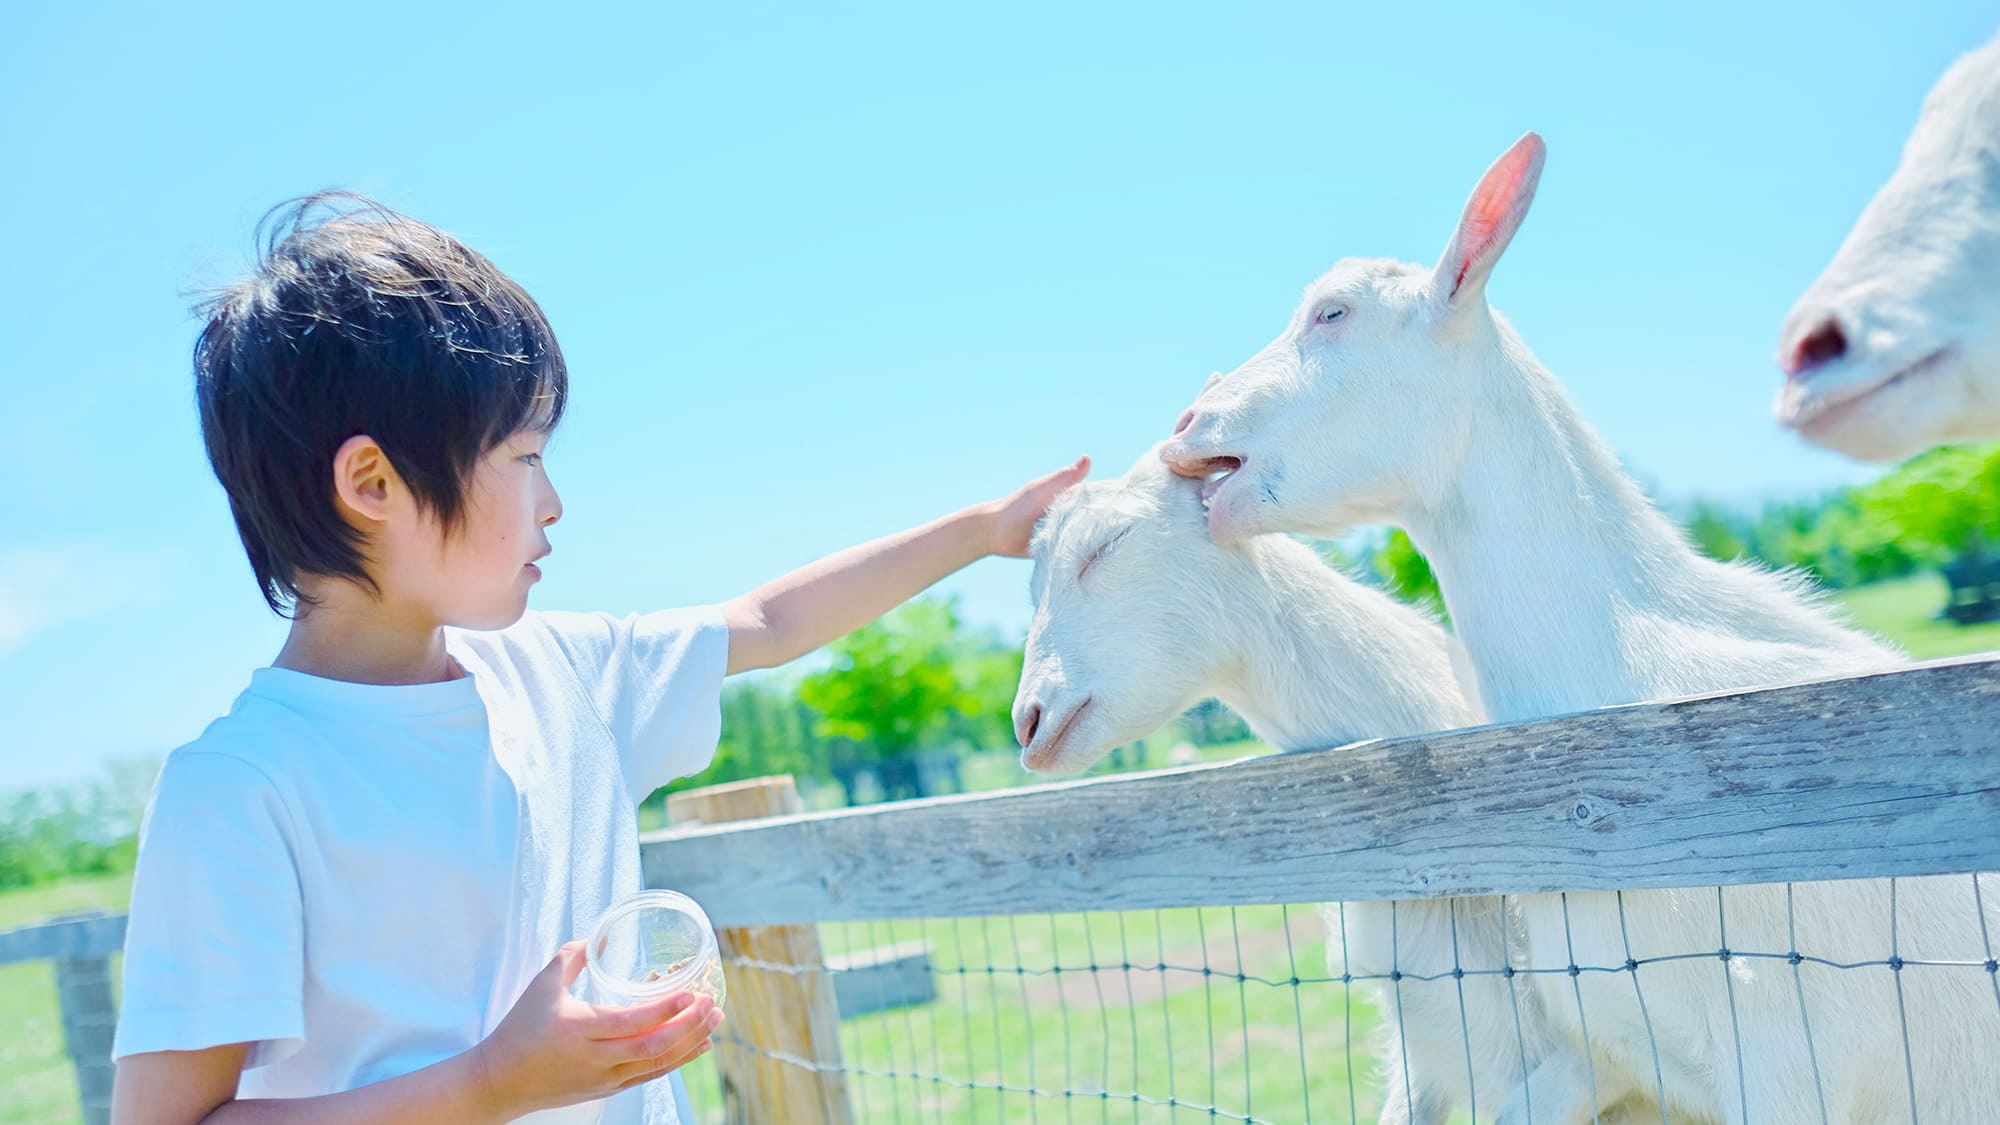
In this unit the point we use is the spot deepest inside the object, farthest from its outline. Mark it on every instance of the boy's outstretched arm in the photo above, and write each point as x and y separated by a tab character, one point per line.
826	600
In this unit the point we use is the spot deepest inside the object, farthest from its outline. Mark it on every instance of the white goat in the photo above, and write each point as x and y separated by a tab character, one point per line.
1396	395
1138	614
1897	346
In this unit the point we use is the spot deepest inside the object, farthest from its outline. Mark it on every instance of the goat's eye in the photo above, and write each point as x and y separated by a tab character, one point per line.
1329	313
1096	556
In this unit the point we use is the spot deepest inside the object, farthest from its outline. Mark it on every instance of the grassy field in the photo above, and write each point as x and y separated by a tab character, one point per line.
36	1083
1038	1018
1035	1021
1905	611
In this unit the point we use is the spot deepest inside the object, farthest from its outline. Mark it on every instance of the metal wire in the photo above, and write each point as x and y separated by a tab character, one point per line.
1799	984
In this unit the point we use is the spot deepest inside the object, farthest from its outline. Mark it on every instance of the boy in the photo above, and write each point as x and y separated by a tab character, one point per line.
357	892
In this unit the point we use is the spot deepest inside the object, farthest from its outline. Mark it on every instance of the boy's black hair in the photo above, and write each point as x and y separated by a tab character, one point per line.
359	320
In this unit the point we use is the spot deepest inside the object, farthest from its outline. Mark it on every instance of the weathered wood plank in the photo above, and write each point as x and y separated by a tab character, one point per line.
89	1017
781	1003
78	939
1893	774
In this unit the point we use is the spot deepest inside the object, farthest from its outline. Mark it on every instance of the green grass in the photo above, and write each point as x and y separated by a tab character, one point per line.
36	1082
1905	611
1040	1021
28	905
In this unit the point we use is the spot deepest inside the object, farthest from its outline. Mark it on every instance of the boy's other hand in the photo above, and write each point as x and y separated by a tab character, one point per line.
1014	518
554	1049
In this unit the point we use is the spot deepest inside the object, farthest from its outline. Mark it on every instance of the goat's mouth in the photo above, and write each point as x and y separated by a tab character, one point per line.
1814	407
1042	754
1213	472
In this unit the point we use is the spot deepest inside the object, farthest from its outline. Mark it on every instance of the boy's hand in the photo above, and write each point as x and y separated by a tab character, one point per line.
554	1049
787	618
1014	519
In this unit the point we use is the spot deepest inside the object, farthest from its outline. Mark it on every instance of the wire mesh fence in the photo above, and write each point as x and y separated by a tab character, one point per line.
1273	1014
1263	1013
1155	1015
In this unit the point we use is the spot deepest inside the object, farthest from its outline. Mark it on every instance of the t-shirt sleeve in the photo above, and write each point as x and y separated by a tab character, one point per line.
214	946
656	679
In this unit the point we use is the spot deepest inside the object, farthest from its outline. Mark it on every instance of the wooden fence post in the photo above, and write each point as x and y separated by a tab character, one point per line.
792	1010
83	986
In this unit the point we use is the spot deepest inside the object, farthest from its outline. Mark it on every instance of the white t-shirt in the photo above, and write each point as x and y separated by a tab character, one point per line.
360	880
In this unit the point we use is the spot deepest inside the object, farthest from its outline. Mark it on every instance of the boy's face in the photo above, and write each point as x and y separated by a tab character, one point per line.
477	575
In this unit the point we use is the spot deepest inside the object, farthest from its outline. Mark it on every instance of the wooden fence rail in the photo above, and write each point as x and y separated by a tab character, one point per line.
1891	774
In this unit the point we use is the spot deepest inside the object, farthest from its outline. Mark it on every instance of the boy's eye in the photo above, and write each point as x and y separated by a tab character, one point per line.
532	458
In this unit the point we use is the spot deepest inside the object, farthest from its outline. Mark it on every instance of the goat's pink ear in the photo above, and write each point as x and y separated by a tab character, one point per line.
1491	217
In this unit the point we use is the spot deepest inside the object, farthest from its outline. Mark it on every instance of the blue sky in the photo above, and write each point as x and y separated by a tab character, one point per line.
821	275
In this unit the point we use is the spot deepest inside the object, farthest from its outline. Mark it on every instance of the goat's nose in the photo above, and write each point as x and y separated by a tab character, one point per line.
1186	420
1822	345
1183	462
1026	721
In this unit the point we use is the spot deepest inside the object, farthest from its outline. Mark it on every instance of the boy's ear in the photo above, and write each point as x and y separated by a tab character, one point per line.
363	478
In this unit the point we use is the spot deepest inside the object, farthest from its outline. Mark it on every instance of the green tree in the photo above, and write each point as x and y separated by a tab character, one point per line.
1936	504
1210	722
85	829
897	683
765	730
990	669
1833	538
1407	574
1717	532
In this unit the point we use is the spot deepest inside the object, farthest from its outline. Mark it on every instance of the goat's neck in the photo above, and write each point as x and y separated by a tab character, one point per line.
1541	543
1313	668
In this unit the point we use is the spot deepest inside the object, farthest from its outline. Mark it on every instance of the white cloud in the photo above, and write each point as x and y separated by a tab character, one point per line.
52	584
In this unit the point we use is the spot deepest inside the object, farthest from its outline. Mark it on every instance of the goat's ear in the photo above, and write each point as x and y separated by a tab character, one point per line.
1491	217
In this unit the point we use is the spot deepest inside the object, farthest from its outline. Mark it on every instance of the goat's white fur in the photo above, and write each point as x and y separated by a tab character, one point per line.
1310	658
1914	291
1397	395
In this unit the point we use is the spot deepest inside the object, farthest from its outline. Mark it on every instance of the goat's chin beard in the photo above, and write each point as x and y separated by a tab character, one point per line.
1070	766
1896	422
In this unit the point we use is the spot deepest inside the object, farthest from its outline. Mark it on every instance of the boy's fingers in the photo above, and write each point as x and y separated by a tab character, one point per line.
642	1070
1073	472
646	1072
684	1030
573	961
1045	488
624	1023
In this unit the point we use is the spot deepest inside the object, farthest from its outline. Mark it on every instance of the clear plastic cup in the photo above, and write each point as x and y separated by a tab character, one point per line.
652	944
